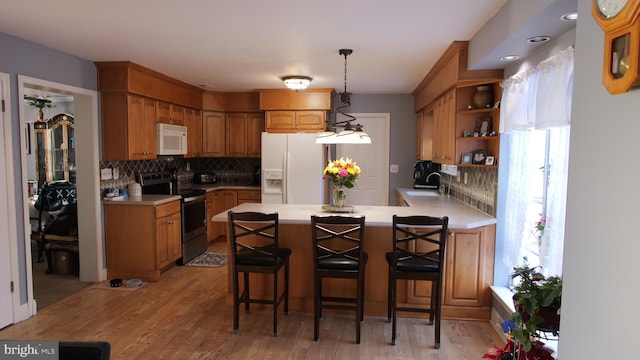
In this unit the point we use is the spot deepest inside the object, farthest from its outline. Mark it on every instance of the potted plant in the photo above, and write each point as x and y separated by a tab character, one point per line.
537	300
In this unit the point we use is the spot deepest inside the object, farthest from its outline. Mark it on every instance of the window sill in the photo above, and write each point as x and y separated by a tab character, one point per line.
504	296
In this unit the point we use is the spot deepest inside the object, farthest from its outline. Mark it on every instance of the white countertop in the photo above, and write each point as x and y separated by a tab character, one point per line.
461	215
212	187
152	200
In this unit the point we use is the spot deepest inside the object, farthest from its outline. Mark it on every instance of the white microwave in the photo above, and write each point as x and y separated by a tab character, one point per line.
171	139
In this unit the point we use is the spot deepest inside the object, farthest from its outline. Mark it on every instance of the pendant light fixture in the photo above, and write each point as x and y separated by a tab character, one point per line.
344	132
296	82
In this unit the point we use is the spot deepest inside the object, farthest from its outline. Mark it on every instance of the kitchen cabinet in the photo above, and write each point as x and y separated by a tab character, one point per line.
444	129
467	277
217	202
168	113
213	134
221	200
295	120
168	239
128	127
243	134
142	240
424	134
249	196
193	122
470	120
444	96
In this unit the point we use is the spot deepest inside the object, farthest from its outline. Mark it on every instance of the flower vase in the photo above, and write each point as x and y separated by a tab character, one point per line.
339	196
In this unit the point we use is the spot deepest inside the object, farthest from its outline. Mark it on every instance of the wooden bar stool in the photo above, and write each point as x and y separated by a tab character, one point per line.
419	244
254	249
338	252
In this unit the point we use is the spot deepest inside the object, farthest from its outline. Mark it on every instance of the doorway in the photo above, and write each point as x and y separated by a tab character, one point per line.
373	159
50	155
90	233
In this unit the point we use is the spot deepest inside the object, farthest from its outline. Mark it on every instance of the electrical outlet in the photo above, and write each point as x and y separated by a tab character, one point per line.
393	168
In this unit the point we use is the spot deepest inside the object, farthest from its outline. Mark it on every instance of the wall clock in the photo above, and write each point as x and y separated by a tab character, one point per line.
619	19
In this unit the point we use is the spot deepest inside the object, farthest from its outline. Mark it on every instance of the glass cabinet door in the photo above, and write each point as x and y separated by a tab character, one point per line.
55	149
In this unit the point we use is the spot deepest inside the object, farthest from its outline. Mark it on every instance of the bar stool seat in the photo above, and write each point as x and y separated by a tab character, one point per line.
338	252
254	249
419	244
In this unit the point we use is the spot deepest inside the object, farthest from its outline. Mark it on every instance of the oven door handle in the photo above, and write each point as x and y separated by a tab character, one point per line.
195	198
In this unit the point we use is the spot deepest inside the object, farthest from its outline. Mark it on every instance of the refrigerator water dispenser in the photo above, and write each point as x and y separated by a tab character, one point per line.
272	181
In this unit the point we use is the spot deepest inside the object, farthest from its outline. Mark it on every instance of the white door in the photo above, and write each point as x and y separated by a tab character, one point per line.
6	298
373	185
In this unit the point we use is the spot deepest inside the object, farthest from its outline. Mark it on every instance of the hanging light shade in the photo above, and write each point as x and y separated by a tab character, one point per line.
344	132
297	83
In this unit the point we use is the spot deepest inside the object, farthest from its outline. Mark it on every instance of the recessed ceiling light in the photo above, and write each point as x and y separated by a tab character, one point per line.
510	58
570	16
538	39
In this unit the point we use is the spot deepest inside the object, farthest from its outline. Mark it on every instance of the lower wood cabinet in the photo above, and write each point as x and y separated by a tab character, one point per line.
467	277
142	240
217	202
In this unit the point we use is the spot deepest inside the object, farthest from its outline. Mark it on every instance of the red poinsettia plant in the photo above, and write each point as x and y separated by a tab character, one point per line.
515	351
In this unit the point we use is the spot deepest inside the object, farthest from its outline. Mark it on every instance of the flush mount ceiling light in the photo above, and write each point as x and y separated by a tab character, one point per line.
569	16
296	82
344	132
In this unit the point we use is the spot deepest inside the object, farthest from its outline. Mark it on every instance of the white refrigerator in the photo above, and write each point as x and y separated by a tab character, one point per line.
292	166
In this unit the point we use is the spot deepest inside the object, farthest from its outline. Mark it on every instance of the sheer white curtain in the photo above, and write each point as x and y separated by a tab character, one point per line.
552	242
539	98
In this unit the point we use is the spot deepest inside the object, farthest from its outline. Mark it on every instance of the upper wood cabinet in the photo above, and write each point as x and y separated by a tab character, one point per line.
128	127
444	112
469	118
424	135
213	134
295	121
244	134
193	122
168	113
126	76
442	102
286	99
296	111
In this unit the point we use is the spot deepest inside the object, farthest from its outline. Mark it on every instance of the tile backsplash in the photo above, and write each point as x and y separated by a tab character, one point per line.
476	186
238	171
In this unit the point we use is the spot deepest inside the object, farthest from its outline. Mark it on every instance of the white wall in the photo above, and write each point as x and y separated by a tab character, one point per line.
602	245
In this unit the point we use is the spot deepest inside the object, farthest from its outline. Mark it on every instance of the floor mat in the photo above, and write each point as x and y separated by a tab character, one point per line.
209	259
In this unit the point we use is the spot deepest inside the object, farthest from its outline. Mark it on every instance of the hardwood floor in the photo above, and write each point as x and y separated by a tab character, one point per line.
185	316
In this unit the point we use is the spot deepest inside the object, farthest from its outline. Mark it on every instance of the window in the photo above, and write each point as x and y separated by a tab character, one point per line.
538	195
535	118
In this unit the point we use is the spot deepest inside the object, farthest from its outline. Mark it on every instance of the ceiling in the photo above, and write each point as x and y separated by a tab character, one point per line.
243	45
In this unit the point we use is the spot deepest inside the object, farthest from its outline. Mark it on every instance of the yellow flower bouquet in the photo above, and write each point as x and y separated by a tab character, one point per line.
342	172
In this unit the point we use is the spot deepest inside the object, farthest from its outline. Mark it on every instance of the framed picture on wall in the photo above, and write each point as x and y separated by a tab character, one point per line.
466	158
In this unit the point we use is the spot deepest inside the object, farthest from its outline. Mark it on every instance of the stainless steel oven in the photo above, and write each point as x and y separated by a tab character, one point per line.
194	225
193	214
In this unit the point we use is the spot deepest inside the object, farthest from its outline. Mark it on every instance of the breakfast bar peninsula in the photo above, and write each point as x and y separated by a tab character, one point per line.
468	265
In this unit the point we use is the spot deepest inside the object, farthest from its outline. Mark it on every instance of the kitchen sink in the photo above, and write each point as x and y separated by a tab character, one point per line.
422	193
